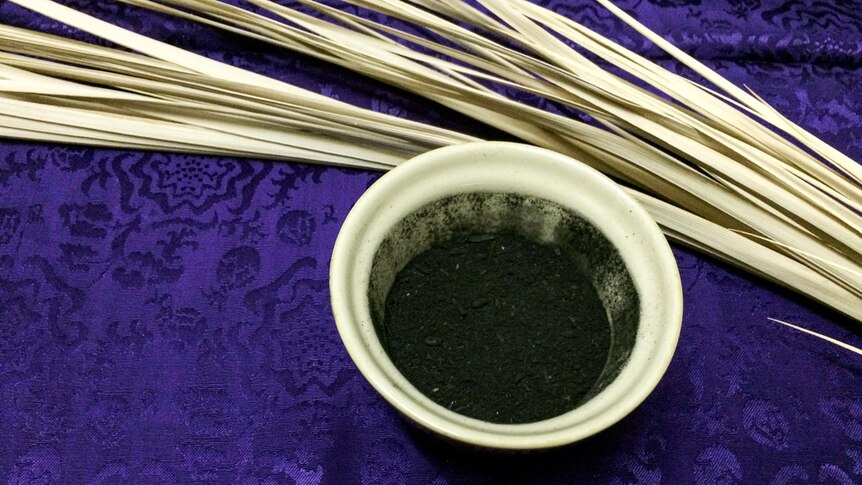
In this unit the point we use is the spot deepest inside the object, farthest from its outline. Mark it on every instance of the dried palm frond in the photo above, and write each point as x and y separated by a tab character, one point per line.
705	164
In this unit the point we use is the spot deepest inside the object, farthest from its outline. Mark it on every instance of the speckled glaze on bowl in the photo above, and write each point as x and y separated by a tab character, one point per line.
490	186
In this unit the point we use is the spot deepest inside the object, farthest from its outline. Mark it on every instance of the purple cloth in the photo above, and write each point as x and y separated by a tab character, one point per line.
165	318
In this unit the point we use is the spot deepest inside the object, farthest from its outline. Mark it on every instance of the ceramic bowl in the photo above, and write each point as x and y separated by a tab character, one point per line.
492	186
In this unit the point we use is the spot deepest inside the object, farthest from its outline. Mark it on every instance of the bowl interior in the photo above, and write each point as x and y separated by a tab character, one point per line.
535	218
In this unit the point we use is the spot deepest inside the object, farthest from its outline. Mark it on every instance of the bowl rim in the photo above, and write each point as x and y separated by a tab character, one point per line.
427	175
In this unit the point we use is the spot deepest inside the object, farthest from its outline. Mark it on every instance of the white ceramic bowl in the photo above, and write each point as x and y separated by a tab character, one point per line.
510	168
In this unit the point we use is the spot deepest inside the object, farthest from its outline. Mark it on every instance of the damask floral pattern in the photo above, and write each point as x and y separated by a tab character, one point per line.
10	221
164	318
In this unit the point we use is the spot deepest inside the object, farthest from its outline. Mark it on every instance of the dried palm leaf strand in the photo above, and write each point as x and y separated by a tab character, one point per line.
820	336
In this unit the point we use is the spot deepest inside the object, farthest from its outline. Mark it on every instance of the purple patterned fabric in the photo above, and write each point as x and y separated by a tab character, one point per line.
165	318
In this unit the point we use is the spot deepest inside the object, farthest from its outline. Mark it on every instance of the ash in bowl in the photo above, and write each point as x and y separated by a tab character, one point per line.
501	307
